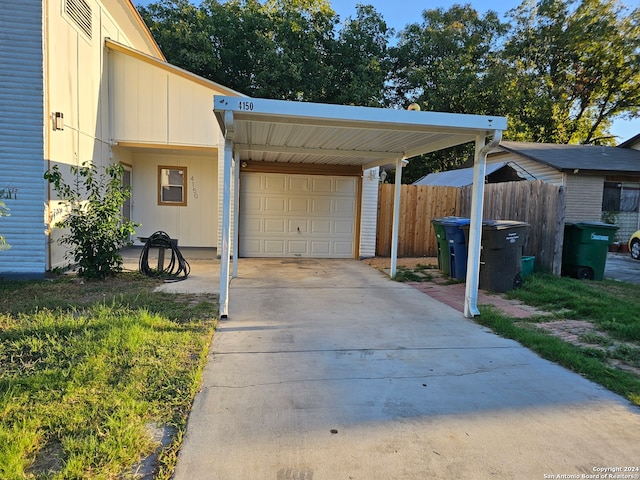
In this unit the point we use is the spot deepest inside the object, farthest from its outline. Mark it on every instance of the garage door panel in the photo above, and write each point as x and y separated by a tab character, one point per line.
321	248
253	226
344	207
343	248
343	227
298	247
252	204
322	185
345	186
321	227
298	205
297	215
297	226
274	247
299	184
274	204
274	184
321	206
274	225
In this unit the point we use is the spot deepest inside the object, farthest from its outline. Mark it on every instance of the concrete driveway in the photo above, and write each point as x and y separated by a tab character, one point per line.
326	369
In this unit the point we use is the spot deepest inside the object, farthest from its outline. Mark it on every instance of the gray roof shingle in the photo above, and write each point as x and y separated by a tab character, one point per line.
582	157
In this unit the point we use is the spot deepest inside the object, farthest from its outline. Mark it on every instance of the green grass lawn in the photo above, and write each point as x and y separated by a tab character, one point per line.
90	369
613	308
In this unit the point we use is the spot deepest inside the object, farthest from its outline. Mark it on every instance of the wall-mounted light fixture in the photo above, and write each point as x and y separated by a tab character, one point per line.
58	120
243	164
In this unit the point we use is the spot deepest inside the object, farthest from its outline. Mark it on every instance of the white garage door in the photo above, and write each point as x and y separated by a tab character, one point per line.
297	215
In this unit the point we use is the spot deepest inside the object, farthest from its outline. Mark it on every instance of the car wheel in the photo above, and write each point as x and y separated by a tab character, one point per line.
635	249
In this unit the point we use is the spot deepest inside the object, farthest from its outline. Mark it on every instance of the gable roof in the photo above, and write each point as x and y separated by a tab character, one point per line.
631	142
586	158
456	178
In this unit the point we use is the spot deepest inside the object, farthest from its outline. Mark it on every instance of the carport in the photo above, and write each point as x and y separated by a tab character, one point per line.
337	136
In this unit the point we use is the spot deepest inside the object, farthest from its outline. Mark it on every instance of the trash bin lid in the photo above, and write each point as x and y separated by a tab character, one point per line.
502	224
584	225
460	221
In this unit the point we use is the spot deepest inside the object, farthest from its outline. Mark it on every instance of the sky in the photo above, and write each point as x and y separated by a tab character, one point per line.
399	13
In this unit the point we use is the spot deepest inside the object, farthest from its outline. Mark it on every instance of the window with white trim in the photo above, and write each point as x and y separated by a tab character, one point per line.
172	185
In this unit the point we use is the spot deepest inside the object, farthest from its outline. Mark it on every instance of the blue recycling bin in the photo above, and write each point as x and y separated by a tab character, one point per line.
456	241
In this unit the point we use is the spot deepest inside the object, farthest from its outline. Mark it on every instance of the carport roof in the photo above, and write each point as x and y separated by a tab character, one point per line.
299	132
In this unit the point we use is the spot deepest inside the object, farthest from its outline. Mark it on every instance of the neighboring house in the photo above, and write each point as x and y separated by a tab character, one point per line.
494	173
597	180
83	80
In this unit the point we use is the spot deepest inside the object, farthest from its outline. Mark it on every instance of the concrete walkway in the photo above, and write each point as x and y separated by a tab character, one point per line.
325	369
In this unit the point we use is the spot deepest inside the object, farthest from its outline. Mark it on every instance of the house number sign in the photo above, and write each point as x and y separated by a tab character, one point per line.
245	105
194	190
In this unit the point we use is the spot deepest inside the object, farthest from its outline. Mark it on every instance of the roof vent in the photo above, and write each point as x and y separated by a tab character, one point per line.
80	12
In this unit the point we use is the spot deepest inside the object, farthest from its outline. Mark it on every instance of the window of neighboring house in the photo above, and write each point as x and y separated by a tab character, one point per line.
172	186
619	197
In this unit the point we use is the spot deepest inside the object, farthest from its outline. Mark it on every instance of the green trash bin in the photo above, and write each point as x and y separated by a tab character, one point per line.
585	247
444	263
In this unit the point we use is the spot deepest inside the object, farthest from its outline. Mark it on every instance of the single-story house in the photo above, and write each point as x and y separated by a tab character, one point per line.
598	180
84	81
495	173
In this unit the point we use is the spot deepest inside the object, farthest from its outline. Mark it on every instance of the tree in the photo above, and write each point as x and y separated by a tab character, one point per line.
97	228
280	49
449	63
574	68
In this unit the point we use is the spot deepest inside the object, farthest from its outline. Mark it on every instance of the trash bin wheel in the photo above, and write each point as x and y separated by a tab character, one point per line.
517	282
585	273
635	249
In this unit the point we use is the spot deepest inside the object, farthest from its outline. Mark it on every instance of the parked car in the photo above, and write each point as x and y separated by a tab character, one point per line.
634	245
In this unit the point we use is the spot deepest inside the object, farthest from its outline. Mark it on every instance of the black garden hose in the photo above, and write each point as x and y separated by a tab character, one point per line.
177	268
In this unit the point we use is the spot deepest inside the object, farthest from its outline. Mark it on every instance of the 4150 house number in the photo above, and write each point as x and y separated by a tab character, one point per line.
245	105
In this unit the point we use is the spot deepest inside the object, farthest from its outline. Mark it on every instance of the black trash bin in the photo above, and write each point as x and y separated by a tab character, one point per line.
501	254
585	247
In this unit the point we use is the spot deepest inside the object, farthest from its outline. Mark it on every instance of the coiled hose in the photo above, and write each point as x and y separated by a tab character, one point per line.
177	269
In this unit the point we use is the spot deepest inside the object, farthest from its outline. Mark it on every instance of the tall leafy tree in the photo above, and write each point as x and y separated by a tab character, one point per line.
575	67
281	49
450	62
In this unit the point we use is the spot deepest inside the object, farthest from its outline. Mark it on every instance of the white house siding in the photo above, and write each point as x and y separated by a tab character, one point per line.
75	85
154	106
369	213
583	196
194	225
22	186
529	169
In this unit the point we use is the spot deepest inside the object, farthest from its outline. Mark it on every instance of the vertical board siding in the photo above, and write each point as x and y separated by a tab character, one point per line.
419	204
22	187
537	203
369	210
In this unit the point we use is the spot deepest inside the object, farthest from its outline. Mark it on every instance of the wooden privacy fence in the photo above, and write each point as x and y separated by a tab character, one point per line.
539	204
418	206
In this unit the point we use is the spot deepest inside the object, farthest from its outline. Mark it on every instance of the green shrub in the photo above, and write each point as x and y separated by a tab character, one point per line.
97	228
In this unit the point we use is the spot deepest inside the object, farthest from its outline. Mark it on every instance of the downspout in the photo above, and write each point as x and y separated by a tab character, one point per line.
475	227
226	213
